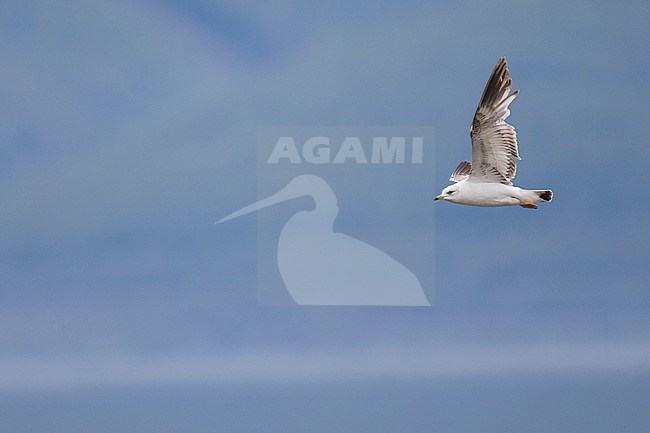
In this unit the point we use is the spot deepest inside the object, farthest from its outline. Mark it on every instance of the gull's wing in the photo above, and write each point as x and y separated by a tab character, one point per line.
462	171
494	142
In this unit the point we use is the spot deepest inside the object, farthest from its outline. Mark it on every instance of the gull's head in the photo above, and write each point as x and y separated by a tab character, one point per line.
450	193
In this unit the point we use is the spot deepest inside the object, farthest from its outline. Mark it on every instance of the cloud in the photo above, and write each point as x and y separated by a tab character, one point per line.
578	357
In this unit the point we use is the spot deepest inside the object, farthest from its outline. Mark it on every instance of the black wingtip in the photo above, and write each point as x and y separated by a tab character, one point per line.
498	82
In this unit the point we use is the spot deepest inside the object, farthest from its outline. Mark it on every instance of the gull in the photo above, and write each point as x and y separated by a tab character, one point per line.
487	180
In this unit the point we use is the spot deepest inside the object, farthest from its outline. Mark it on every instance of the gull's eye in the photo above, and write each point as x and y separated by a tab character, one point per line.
450	192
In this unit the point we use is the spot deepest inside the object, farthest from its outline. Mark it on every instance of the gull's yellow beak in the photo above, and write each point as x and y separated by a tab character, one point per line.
440	197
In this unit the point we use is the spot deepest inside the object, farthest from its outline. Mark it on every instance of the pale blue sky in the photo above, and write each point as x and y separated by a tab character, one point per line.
128	128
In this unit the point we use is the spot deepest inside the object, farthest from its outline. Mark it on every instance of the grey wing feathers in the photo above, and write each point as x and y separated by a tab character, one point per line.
494	142
462	171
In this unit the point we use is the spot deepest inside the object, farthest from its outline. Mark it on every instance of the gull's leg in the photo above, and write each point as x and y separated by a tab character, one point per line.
528	205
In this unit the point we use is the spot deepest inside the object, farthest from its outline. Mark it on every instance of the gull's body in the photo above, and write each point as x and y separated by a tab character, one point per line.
490	194
487	180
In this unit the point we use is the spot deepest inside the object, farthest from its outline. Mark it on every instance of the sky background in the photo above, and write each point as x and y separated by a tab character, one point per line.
128	128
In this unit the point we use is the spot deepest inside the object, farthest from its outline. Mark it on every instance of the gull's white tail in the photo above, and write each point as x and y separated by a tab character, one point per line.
543	195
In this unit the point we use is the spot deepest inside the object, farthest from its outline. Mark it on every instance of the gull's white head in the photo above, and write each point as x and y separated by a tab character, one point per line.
450	193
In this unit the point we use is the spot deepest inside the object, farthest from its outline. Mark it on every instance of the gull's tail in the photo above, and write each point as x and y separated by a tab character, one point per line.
544	195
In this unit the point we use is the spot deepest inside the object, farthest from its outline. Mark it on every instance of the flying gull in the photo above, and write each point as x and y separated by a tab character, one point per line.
487	180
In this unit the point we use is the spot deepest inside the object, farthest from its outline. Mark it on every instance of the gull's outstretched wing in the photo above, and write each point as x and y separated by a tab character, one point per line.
462	171
494	142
